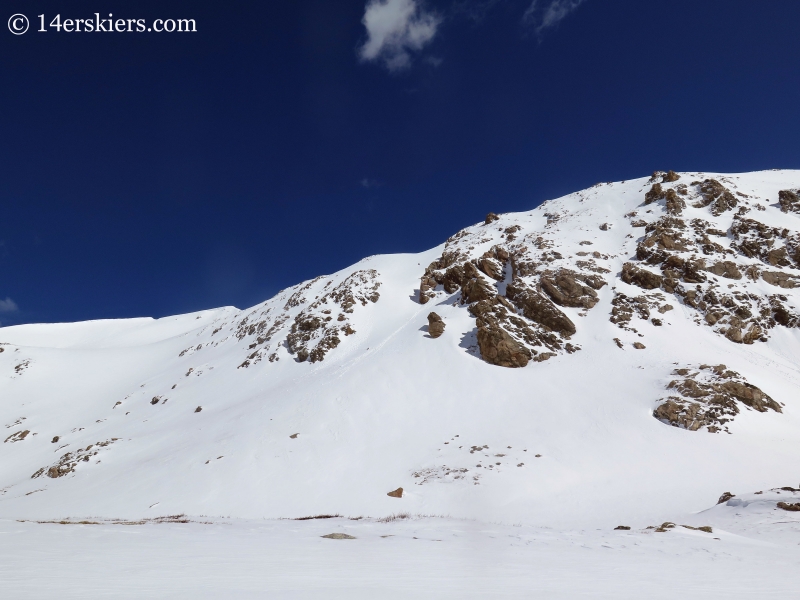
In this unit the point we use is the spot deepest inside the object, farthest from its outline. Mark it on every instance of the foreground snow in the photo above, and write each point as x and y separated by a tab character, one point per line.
752	552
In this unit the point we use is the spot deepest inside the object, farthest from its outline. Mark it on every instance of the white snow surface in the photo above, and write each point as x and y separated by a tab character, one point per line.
572	442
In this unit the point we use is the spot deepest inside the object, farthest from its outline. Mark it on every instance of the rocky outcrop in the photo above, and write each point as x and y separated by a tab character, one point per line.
789	201
647	280
539	309
717	196
435	325
498	347
566	288
709	397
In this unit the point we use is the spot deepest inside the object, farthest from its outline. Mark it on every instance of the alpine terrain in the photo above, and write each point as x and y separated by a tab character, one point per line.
614	375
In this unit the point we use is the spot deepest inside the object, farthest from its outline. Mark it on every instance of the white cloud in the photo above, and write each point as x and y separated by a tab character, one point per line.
543	14
8	306
395	29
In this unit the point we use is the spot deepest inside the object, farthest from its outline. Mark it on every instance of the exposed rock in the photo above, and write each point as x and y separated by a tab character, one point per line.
789	201
564	289
726	268
624	307
670	176
198	409
475	288
338	536
783	280
435	325
498	347
294	436
639	345
655	194
709	398
605	226
725	497
674	203
69	461
491	218
642	278
398	493
17	436
55	439
717	195
622	528
539	309
790	507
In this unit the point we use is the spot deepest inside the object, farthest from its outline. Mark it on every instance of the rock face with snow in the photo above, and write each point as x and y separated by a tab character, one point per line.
593	341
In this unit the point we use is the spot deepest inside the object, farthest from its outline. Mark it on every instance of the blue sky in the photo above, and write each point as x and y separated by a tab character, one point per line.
152	174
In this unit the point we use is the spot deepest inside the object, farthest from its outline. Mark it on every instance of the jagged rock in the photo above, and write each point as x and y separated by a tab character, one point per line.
642	278
490	218
539	309
498	347
492	268
708	398
783	280
475	288
453	279
605	226
725	497
198	409
717	195
564	289
17	436
789	201
655	194
675	203
670	176
435	325
726	268
55	439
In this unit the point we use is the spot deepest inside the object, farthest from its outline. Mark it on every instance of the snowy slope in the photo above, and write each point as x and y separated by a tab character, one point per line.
567	440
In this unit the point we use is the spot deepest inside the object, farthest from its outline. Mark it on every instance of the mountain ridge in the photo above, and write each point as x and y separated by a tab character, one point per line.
346	362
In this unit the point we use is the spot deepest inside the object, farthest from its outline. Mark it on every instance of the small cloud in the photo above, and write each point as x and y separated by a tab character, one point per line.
434	61
544	14
8	306
474	10
370	183
396	29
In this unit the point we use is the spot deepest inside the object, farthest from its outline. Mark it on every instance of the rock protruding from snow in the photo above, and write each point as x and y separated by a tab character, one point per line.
710	397
435	325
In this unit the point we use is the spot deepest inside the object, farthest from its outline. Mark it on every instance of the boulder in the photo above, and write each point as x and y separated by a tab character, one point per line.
398	493
498	347
642	278
435	325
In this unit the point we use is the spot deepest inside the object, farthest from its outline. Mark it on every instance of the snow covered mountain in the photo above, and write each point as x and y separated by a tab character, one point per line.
619	355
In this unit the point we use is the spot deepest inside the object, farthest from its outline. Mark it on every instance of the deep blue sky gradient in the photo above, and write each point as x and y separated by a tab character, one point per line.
149	174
